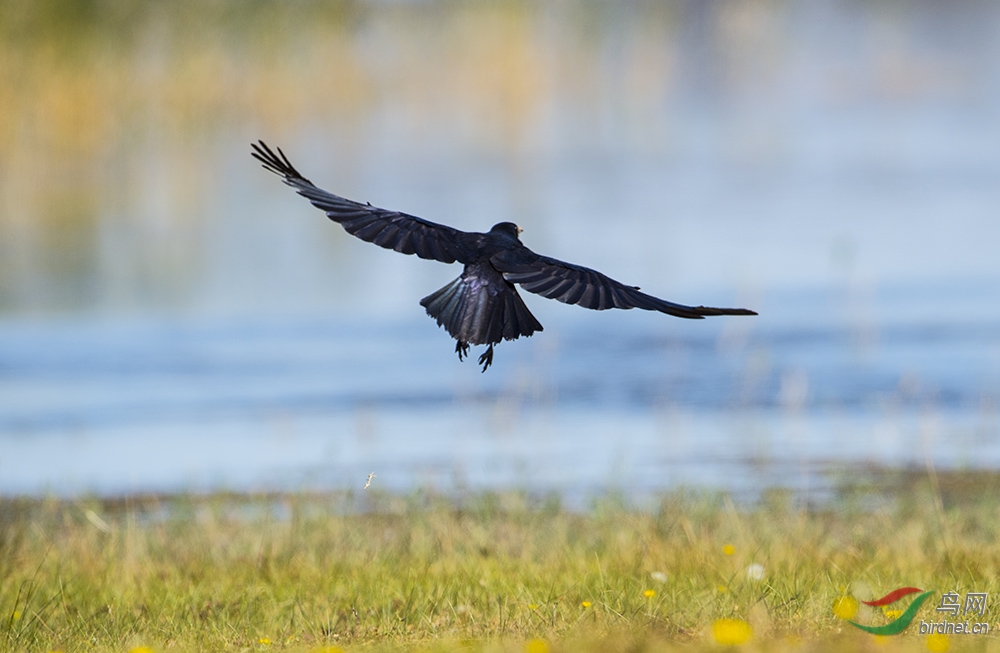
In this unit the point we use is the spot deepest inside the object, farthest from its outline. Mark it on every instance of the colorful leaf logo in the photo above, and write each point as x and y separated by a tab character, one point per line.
899	624
892	596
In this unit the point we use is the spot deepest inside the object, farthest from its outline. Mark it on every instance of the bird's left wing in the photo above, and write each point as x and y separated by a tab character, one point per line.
575	284
390	229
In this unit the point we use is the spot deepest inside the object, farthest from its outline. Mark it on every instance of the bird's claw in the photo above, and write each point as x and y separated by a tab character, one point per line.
487	358
462	349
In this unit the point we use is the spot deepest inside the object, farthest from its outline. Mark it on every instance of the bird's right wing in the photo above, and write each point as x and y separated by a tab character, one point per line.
575	284
390	229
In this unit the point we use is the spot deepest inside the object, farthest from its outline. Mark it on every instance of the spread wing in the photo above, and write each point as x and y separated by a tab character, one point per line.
390	229
575	284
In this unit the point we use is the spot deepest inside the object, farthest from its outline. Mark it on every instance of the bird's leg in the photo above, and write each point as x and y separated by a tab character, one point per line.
462	348
487	358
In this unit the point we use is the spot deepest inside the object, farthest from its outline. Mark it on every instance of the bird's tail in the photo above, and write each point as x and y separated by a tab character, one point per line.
472	314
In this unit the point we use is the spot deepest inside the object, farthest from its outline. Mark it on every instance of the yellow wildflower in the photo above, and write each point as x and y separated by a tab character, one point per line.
729	550
845	607
937	643
730	632
649	593
536	646
586	604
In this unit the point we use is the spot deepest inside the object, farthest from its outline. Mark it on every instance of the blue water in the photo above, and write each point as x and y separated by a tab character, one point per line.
636	402
173	318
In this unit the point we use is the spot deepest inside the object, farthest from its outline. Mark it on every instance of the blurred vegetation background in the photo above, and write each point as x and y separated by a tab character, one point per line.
124	129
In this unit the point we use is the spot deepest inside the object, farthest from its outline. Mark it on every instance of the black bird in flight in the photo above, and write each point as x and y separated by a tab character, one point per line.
482	306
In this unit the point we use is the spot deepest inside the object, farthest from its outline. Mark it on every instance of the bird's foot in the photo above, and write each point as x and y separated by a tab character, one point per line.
462	348
487	358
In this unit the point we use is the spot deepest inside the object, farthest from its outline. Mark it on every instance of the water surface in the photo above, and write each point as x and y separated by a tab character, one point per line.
172	317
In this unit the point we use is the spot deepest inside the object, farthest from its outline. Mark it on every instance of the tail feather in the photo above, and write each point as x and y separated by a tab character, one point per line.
525	321
455	302
494	311
478	313
471	313
510	321
446	304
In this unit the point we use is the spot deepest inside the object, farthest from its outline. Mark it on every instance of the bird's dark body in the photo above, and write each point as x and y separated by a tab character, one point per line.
481	307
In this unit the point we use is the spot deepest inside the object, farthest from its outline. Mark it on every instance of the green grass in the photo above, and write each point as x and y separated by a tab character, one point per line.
488	572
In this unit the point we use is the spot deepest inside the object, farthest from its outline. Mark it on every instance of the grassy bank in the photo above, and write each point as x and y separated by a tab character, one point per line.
489	572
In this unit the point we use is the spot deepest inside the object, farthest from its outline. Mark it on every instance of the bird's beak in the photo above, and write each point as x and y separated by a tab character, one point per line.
520	230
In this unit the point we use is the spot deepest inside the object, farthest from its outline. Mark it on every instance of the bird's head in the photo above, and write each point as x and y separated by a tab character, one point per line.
507	228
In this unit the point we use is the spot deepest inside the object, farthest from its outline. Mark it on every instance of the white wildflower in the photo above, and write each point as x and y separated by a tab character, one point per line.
755	571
